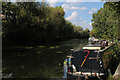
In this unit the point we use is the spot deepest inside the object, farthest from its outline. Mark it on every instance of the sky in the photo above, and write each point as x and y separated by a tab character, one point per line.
79	13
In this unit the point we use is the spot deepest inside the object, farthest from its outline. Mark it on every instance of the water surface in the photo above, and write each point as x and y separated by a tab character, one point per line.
43	61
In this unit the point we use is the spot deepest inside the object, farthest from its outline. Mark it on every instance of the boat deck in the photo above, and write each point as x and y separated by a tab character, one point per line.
92	64
88	61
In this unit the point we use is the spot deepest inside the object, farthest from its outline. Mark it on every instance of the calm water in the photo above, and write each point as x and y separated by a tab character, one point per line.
44	61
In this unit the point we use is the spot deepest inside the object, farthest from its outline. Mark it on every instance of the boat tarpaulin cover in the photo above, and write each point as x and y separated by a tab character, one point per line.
90	64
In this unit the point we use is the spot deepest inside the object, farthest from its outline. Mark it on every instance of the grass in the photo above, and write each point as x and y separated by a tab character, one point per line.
113	78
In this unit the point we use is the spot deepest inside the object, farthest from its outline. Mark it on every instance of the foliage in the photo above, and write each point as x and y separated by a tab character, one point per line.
105	21
36	22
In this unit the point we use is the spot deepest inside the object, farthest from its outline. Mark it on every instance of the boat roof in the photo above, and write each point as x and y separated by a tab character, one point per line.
93	45
90	64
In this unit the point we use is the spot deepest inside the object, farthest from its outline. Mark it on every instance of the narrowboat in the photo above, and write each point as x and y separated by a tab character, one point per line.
86	63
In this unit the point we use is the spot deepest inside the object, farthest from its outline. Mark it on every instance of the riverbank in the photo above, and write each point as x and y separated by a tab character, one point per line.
6	42
111	61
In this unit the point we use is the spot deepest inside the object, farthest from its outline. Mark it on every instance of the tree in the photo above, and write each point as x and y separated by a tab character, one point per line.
34	23
105	21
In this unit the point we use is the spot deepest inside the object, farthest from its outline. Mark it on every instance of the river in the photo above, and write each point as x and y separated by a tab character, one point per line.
44	61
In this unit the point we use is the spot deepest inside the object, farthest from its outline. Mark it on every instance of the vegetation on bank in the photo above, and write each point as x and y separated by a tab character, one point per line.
111	56
111	59
37	22
106	25
106	22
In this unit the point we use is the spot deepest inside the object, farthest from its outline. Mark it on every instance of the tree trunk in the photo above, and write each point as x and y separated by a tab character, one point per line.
117	72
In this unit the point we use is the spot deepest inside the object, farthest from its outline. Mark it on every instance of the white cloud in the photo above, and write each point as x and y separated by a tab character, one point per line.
50	1
74	7
64	0
92	10
83	8
84	21
90	24
79	8
77	0
80	18
75	3
75	19
52	4
73	16
66	7
84	24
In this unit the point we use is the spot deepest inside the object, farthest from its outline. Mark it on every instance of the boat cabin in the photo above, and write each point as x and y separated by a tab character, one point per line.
85	63
93	47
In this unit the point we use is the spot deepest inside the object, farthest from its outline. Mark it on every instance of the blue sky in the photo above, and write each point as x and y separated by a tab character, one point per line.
79	13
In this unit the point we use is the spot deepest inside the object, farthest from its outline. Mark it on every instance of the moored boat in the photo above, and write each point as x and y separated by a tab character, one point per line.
86	62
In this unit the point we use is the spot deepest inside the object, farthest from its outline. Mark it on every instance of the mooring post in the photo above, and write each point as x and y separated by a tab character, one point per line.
86	77
91	71
81	72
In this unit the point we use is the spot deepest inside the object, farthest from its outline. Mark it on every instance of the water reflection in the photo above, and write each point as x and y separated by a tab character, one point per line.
44	61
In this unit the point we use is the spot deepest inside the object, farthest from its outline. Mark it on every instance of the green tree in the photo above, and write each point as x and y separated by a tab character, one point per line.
34	22
105	21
